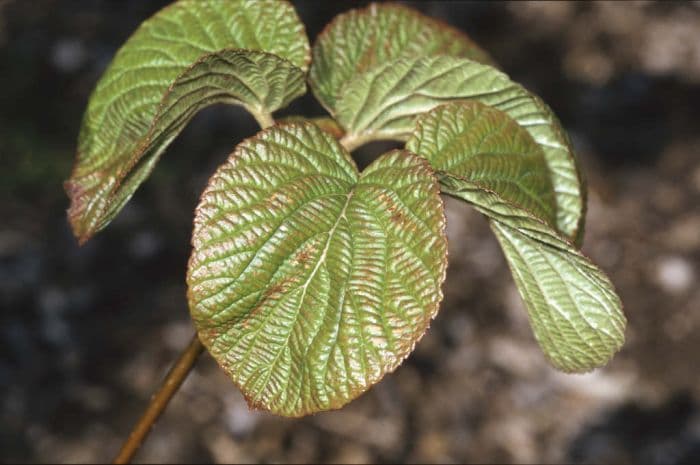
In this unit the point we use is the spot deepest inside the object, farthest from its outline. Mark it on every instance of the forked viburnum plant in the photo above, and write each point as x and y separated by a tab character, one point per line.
310	280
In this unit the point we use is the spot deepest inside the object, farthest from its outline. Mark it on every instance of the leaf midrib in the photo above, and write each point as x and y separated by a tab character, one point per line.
304	287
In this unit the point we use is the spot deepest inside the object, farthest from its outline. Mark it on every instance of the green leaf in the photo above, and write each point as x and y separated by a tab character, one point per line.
189	55
384	102
479	143
573	308
362	39
486	159
309	281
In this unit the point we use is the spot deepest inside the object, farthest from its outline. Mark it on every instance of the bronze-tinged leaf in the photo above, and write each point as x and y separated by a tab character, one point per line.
479	143
309	281
383	103
361	39
485	158
189	55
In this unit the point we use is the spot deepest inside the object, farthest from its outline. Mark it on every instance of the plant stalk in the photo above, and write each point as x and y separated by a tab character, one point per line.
160	399
264	119
352	142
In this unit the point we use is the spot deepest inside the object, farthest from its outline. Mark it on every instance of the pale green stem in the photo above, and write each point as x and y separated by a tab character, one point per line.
264	119
353	141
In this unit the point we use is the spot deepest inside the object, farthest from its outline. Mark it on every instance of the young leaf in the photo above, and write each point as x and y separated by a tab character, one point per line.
382	104
189	55
361	39
309	281
482	144
484	158
574	311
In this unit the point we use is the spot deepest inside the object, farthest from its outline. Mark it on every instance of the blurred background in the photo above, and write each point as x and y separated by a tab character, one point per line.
87	333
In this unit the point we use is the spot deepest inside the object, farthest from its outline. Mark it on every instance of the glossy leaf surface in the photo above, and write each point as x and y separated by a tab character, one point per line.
362	39
308	280
481	144
573	308
383	104
486	159
189	55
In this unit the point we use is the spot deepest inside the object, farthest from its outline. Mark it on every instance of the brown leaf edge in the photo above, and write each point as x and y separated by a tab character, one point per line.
79	196
432	312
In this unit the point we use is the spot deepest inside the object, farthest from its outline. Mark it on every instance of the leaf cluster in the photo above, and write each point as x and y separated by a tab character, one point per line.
310	280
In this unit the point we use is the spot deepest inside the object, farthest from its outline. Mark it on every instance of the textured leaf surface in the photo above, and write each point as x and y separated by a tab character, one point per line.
187	56
573	308
483	156
361	39
309	281
479	143
384	102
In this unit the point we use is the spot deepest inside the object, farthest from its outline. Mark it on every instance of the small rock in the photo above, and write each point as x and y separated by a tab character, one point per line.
674	274
684	234
601	386
667	198
68	55
352	453
175	335
223	448
203	408
520	359
145	245
52	300
696	178
239	419
94	398
432	447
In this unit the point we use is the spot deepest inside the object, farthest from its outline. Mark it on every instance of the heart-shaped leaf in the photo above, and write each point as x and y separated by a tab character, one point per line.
361	39
384	102
485	158
308	280
187	56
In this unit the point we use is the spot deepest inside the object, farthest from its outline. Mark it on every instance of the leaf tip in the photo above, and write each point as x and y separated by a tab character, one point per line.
593	359
75	212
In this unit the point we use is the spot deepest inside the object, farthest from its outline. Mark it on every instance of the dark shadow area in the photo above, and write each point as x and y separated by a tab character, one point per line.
635	434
